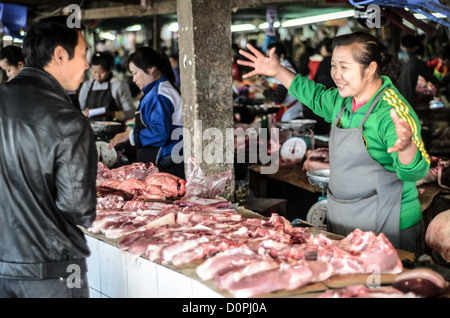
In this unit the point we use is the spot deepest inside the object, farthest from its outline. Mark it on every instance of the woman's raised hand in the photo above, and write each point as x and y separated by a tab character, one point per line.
262	65
404	133
404	145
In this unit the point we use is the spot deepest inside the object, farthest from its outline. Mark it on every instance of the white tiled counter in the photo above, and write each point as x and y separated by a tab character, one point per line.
117	274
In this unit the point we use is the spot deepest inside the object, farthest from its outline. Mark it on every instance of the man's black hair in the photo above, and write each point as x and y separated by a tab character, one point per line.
44	36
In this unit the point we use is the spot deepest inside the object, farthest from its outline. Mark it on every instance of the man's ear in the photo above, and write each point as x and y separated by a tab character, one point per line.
60	55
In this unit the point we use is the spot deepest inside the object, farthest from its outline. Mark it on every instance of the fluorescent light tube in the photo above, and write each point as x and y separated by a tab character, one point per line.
107	36
265	25
242	27
318	18
134	28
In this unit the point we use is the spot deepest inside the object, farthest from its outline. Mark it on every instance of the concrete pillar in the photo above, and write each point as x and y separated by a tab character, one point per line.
206	83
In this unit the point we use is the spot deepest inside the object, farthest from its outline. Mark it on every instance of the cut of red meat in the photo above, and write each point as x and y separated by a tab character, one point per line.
110	183
203	250
230	279
127	240
168	184
170	251
360	252
137	170
437	235
132	186
110	202
141	245
266	276
224	262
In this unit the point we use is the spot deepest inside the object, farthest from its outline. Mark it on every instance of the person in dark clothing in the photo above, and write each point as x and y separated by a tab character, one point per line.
303	63
323	76
104	93
49	168
290	107
174	61
412	69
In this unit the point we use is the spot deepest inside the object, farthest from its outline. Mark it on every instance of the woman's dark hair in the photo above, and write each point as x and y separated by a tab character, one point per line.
368	49
410	41
328	44
145	57
280	49
104	59
44	36
12	54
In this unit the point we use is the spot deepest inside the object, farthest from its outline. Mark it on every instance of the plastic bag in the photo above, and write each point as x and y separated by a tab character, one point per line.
200	186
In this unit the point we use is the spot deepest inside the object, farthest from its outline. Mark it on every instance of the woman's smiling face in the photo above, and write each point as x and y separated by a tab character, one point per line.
347	73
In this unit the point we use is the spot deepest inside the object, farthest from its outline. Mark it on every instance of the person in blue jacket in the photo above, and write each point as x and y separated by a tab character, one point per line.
159	115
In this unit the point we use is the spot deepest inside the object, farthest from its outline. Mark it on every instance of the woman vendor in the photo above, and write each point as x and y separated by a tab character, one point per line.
105	97
160	113
376	150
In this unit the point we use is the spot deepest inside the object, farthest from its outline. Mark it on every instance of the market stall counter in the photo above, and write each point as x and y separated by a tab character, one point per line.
153	238
116	273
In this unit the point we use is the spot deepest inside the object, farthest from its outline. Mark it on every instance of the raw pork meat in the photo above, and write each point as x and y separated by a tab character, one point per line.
224	262
360	252
166	183
316	159
267	275
141	181
437	236
137	170
246	257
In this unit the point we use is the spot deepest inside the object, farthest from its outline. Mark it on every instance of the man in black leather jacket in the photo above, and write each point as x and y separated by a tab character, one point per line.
48	166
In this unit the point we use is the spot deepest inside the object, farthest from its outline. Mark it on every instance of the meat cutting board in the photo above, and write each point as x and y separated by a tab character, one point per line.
340	281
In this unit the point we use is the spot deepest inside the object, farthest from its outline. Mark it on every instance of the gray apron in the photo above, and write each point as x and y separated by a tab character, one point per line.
361	192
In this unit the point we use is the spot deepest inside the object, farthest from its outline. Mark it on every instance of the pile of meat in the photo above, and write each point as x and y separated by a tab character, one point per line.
141	181
245	257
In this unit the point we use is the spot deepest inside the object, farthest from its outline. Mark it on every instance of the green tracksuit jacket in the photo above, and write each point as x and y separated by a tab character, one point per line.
378	133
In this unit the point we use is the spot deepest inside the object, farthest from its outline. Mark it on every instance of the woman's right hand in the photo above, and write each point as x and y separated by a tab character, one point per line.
262	65
118	139
86	112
